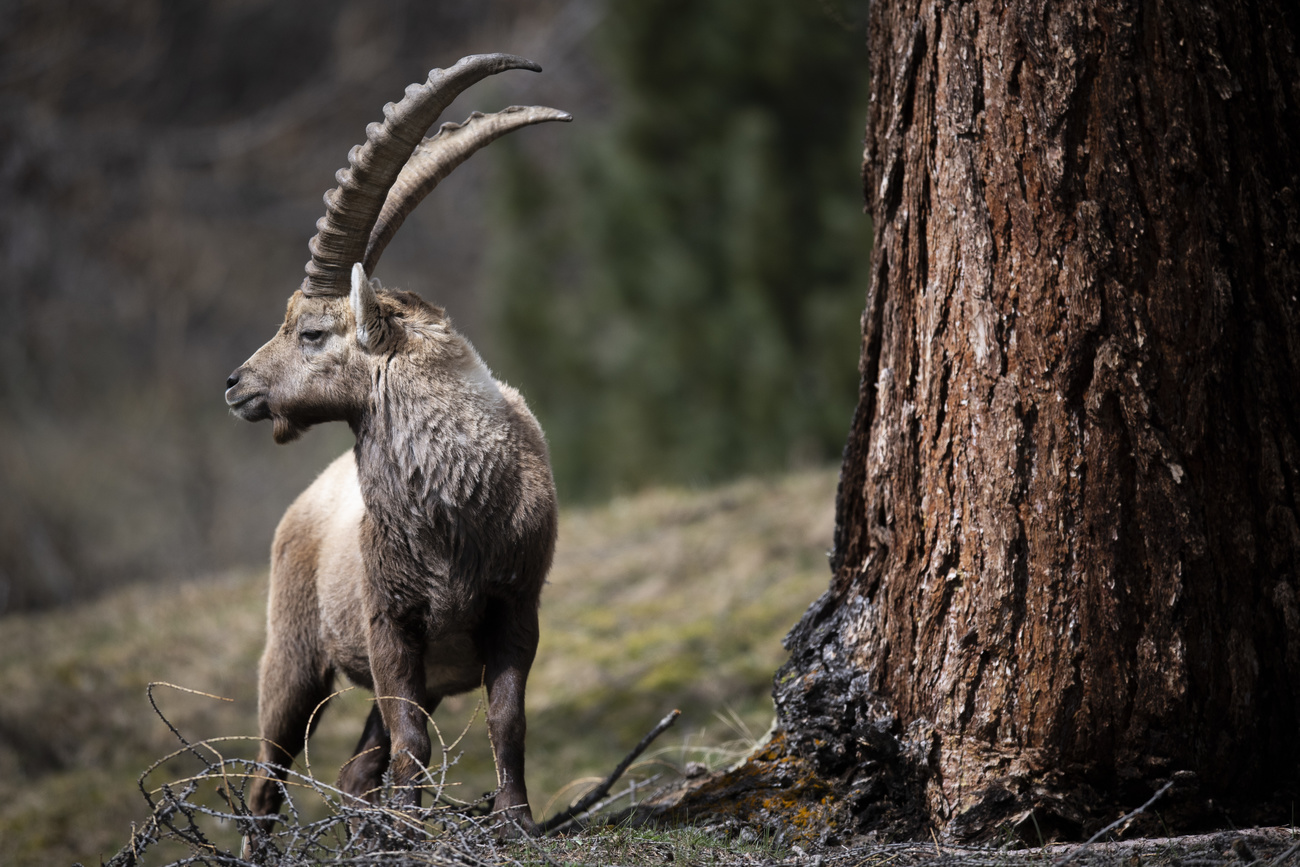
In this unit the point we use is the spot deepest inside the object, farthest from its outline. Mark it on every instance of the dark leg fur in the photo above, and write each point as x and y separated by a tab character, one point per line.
362	777
508	642
397	663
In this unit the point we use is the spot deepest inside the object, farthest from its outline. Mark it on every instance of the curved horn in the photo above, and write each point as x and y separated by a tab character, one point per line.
352	207
436	157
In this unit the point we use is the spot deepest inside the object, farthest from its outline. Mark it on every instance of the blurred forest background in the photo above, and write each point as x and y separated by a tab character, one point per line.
674	280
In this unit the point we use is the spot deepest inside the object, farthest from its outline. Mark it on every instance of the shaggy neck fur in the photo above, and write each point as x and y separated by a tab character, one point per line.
438	466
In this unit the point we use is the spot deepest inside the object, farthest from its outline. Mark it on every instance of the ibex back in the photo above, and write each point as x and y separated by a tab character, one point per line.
414	564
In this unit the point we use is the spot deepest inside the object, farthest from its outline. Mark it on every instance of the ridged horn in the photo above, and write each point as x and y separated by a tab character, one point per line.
436	157
352	207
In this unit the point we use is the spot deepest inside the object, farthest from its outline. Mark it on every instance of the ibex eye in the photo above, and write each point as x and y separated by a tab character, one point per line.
311	336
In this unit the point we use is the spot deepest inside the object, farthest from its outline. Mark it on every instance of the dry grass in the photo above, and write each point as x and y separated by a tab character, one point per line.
667	599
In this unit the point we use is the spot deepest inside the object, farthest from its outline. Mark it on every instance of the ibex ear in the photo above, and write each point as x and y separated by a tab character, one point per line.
373	328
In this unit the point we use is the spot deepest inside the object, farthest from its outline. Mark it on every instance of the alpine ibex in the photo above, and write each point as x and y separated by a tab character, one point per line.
414	564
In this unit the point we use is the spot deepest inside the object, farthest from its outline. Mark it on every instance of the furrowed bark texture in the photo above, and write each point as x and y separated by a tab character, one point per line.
1065	564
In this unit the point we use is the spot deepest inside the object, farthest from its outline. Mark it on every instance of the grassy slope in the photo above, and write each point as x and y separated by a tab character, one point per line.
666	599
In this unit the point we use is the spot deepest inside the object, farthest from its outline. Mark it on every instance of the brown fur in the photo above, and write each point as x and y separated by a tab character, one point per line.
413	565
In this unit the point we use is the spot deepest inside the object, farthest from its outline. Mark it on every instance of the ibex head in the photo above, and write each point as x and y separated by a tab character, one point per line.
317	367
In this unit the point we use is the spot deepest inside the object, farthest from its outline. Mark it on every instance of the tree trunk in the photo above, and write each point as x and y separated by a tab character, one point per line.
1065	564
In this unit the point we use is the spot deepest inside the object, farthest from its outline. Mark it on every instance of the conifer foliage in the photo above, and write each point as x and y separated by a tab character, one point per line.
678	293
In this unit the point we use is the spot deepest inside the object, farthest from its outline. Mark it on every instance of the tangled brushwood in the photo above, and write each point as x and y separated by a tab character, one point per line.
187	812
353	833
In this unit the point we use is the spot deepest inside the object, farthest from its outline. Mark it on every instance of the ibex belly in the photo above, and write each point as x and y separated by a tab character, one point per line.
451	662
452	665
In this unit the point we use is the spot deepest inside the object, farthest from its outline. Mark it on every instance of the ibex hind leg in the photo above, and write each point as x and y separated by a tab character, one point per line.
362	777
286	700
288	696
508	642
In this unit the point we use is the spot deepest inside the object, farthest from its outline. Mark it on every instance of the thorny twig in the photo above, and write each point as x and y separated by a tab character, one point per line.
588	800
1281	859
450	832
1113	825
445	834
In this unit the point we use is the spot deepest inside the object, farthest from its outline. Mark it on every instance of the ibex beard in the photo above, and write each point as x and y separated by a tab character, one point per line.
413	566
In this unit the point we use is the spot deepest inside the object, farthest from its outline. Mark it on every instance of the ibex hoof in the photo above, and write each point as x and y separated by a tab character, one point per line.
517	827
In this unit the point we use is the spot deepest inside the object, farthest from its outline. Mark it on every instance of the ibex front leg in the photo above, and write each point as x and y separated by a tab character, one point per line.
397	666
508	642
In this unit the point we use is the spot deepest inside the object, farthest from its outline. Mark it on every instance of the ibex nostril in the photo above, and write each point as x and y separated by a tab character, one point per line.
232	380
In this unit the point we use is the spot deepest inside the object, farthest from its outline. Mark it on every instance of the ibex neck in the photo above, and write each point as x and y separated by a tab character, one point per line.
431	444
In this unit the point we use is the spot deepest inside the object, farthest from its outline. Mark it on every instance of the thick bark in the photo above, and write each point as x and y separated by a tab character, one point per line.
1066	556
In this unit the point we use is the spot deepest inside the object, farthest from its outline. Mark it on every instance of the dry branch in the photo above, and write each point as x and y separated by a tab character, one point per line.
354	832
1113	825
561	819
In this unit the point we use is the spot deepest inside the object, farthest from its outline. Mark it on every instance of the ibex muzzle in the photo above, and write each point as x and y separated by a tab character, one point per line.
414	564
